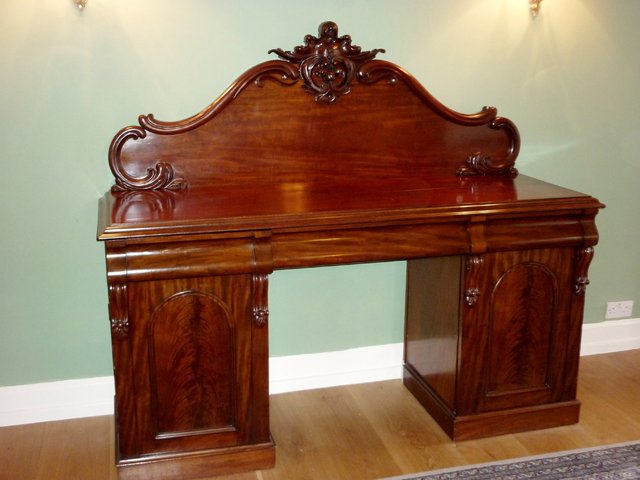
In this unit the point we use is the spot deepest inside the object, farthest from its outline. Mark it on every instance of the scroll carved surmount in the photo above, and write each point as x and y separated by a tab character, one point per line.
163	176
327	63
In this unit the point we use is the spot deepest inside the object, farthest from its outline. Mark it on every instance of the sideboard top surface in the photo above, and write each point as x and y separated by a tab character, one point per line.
298	206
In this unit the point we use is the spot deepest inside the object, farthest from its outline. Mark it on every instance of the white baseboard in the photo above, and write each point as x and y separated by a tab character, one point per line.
331	369
43	402
610	336
46	402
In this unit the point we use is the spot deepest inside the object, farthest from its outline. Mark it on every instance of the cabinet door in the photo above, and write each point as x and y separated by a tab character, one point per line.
517	323
189	383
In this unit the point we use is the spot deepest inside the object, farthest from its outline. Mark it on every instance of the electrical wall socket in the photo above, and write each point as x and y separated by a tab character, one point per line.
619	309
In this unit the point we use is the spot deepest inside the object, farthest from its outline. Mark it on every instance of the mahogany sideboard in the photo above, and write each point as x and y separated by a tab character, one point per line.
329	156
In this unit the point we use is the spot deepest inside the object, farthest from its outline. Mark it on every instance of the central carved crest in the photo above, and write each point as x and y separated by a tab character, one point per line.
327	62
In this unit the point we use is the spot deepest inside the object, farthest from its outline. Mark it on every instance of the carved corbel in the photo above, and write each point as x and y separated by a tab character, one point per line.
118	311
472	286
263	265
260	287
583	260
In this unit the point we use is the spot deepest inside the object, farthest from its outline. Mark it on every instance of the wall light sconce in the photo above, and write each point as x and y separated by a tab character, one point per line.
534	7
80	4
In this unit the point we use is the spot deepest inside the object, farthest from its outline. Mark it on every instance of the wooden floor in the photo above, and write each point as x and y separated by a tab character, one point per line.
356	432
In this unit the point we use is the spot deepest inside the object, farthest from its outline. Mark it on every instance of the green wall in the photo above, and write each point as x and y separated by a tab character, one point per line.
569	79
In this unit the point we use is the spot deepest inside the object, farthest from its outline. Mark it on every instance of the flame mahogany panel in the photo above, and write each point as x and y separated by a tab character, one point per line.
192	391
328	155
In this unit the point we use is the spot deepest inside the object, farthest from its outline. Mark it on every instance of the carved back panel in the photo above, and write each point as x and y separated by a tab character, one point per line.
326	112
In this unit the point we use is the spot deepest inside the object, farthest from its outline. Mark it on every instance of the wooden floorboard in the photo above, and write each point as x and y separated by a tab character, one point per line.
362	431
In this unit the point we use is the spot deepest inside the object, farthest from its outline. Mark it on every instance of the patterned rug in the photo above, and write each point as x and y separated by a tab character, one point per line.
612	462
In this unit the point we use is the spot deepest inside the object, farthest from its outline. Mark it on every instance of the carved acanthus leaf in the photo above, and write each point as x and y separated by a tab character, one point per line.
480	163
327	63
283	73
260	316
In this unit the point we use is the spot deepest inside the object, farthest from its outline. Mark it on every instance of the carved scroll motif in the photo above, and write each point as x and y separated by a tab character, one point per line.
260	283
584	257
327	63
118	310
480	163
472	289
160	177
